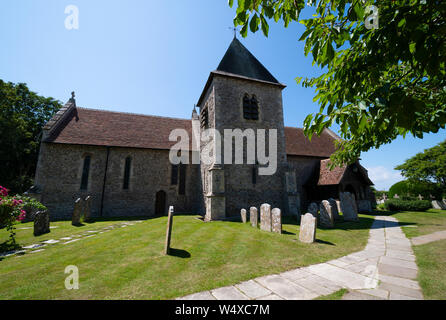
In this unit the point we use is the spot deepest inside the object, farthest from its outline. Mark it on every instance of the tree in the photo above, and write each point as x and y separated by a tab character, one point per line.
383	67
22	116
428	166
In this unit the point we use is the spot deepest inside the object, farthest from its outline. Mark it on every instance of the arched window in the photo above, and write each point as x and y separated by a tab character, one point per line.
127	167
174	174
250	108
85	173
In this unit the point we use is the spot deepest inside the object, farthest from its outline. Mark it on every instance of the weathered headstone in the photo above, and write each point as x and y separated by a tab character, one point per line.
420	197
436	205
313	208
334	209
307	231
364	206
444	202
396	196
326	216
253	216
265	217
77	212
41	223
348	207
276	216
87	208
169	230
243	215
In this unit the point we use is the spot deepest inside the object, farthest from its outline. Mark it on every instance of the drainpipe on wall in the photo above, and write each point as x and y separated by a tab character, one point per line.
105	179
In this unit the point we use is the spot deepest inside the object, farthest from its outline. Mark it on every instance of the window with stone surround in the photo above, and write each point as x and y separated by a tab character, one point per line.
127	167
85	172
182	186
250	108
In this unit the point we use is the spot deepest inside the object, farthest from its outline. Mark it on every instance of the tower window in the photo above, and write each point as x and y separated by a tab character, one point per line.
128	163
85	173
174	175
204	118
250	108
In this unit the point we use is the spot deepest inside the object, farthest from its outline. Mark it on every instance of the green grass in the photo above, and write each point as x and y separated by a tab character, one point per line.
431	260
426	222
334	296
128	263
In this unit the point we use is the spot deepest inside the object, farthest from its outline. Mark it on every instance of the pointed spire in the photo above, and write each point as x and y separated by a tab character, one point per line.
238	60
194	113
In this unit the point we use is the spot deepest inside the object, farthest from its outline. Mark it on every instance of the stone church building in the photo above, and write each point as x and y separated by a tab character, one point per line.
122	161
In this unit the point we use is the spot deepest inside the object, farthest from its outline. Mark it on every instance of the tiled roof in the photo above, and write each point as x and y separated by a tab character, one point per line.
118	129
298	144
330	177
106	128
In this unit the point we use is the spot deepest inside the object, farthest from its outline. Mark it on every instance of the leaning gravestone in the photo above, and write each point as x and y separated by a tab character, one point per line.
444	202
253	216
41	223
265	217
326	216
243	215
307	233
348	207
276	217
168	231
436	204
313	209
77	212
87	208
334	209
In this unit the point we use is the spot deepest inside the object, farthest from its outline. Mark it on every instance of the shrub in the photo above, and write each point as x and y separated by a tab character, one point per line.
409	190
407	205
10	212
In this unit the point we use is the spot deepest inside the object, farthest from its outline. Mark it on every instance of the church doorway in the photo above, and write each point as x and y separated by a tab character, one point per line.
160	203
349	188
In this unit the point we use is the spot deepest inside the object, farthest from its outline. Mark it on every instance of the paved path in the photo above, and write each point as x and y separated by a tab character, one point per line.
435	236
388	257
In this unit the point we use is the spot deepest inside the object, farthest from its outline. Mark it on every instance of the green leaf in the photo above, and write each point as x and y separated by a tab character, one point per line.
265	26
254	24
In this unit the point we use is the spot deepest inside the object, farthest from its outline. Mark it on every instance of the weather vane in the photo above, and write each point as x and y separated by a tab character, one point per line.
235	31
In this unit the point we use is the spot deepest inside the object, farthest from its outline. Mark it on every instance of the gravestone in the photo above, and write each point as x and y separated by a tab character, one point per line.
265	217
326	215
364	206
169	230
243	215
396	196
87	208
348	207
276	216
420	197
41	223
313	209
253	216
436	205
77	212
307	233
444	202
334	209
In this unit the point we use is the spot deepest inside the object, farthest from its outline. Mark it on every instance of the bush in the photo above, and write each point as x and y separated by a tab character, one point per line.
407	205
408	190
10	212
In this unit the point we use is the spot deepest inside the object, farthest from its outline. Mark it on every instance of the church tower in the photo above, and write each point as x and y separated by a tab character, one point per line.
242	95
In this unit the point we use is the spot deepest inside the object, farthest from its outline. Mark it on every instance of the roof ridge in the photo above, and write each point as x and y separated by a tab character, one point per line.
133	114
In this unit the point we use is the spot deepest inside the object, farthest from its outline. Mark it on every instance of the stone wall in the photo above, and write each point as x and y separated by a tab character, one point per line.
60	170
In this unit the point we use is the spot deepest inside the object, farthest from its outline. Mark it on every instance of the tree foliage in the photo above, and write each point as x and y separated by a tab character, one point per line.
377	83
428	166
22	116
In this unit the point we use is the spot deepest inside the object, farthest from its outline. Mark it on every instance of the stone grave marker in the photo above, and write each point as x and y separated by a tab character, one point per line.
41	223
87	208
253	216
334	209
313	209
265	217
307	233
243	215
77	212
276	216
348	207
326	216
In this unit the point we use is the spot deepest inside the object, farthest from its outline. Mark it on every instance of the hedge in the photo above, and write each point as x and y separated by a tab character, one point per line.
407	205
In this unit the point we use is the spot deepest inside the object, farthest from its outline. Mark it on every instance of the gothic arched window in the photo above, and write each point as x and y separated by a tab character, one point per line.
128	163
85	173
250	108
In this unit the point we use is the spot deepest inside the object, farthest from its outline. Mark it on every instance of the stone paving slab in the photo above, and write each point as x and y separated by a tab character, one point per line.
387	257
439	235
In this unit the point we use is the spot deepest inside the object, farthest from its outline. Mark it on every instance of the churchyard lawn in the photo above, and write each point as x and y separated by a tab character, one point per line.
430	257
128	262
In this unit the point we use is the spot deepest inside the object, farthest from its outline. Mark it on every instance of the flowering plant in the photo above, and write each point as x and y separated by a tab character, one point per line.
11	212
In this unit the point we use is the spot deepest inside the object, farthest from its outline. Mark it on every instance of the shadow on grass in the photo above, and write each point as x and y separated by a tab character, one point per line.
324	242
180	253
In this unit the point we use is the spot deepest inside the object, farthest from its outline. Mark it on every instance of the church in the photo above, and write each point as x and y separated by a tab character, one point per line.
122	159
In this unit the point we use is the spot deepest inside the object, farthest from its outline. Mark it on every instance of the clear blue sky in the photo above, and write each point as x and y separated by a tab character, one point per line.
154	57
